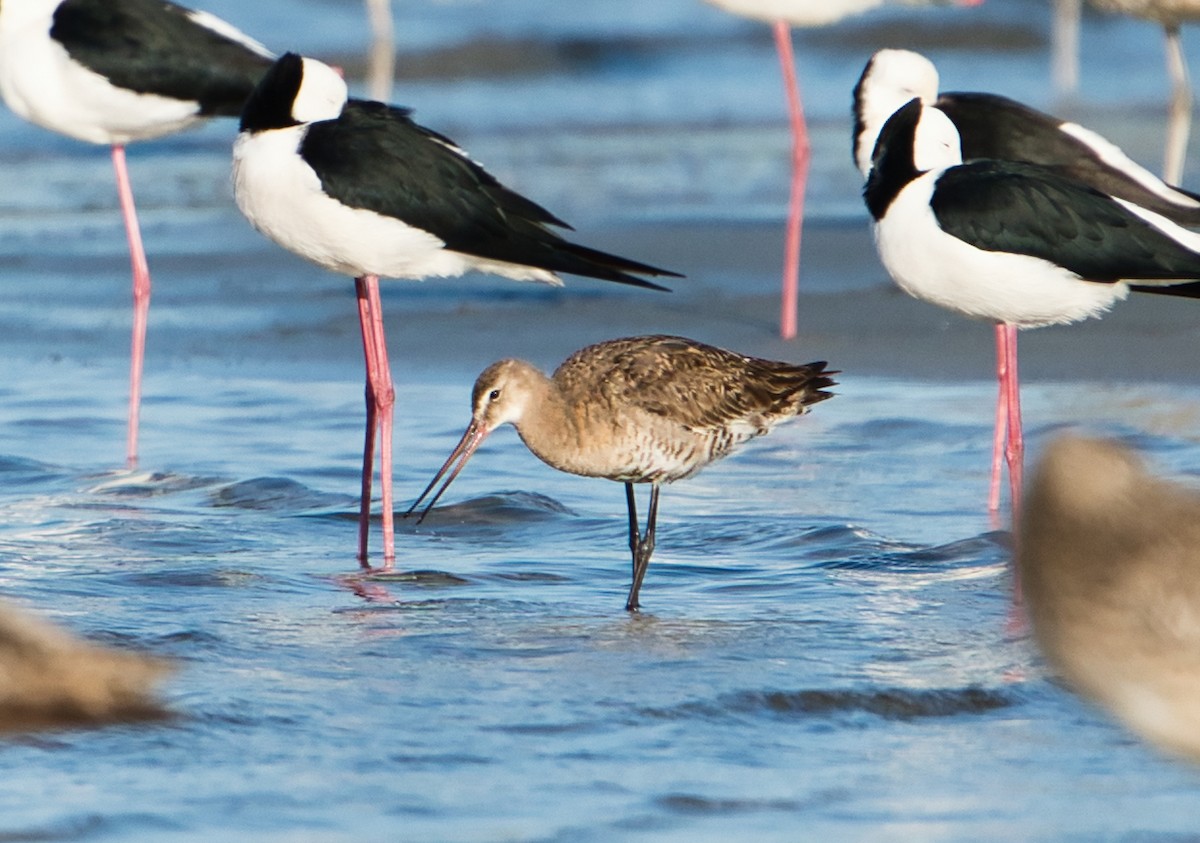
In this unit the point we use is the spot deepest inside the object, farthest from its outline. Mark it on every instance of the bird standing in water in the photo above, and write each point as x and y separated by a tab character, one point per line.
1171	15
359	188
113	72
783	15
652	409
1013	243
994	127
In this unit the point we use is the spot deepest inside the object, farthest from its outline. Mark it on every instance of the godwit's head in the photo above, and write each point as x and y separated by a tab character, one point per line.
501	396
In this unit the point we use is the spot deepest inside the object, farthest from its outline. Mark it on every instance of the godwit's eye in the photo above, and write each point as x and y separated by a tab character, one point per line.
493	395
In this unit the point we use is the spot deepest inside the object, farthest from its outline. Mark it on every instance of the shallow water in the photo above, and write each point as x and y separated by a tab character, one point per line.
825	651
822	653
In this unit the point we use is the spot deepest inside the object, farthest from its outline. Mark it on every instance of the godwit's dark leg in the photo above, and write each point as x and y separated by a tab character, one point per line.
1000	431
634	528
645	548
801	151
381	399
141	301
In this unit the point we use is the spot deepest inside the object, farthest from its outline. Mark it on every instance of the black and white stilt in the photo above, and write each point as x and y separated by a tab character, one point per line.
112	72
359	188
1013	243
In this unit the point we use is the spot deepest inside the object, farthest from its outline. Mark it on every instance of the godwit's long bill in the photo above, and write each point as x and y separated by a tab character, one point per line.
112	72
649	409
358	188
996	127
1013	243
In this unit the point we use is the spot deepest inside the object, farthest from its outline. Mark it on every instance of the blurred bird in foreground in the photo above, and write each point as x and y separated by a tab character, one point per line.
50	679
1109	558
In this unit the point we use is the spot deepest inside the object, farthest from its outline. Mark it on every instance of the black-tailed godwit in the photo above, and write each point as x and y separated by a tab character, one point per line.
649	409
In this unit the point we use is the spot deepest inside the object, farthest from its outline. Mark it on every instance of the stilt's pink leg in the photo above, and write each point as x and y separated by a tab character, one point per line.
366	322
386	399
379	386
1000	432
141	301
1014	452
800	159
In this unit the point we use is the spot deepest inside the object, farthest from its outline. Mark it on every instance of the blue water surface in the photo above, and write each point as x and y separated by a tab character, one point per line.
827	649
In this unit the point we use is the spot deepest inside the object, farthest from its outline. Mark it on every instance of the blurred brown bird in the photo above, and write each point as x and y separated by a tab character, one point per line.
50	679
1109	558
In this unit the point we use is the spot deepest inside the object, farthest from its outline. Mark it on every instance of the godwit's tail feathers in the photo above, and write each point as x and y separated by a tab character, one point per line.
807	383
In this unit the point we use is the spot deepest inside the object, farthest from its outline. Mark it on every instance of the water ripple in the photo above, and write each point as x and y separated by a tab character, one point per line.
194	577
181	644
985	550
272	494
423	578
690	803
513	507
147	484
888	704
437	761
91	827
25	473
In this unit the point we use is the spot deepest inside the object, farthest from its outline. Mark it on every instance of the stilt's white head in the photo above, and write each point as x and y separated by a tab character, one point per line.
889	81
322	93
937	143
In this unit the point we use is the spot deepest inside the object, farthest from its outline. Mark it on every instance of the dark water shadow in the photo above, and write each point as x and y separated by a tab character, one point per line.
883	703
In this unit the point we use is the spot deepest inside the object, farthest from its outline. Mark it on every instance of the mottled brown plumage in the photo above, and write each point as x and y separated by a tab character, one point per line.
1109	558
649	409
